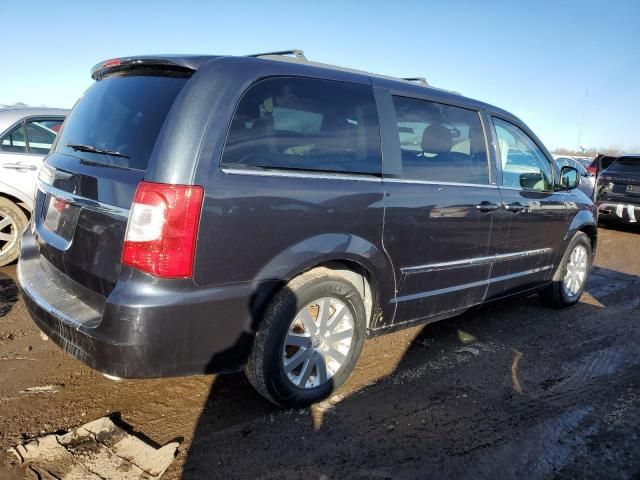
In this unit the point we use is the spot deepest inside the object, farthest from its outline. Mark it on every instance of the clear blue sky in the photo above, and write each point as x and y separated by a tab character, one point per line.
537	59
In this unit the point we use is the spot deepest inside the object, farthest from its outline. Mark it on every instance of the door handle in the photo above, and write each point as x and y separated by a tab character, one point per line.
514	207
487	207
20	166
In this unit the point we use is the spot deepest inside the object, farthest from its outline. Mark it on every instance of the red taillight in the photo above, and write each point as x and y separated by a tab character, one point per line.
592	170
162	229
114	62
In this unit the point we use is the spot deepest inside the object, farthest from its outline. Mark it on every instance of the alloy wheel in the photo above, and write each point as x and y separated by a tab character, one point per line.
8	233
576	271
317	342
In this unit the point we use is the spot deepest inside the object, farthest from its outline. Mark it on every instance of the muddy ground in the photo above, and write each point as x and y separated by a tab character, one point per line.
537	393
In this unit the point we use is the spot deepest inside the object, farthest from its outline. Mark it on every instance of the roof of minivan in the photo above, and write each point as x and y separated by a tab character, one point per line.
194	62
10	115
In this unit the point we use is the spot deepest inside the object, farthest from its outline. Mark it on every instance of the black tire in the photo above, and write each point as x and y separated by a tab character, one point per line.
555	294
11	211
264	368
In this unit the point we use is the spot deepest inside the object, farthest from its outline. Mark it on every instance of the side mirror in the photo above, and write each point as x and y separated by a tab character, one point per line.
569	178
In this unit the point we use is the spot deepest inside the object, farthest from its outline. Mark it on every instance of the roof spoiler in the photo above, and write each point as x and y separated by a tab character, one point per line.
112	65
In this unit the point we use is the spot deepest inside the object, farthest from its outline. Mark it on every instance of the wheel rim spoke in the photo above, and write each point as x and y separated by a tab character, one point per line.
321	369
336	318
343	335
7	237
308	322
324	308
297	358
5	223
336	355
297	340
305	373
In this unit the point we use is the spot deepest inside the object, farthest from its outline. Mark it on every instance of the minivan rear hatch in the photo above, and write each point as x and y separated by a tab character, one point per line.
87	183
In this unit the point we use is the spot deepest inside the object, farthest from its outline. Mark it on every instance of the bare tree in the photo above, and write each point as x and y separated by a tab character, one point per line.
613	150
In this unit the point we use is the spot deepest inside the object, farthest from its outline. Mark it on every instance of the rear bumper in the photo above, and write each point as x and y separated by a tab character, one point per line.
619	211
146	327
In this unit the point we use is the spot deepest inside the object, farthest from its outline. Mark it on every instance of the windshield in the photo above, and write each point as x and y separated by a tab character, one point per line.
118	119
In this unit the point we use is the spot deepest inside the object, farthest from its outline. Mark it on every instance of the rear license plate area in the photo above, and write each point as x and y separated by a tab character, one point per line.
60	216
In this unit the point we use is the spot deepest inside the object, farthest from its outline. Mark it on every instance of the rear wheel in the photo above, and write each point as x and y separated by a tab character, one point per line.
570	278
13	222
309	340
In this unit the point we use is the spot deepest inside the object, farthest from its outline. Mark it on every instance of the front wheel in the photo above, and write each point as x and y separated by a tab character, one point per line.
309	340
570	278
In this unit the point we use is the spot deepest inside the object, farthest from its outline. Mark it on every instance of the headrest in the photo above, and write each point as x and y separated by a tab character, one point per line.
436	139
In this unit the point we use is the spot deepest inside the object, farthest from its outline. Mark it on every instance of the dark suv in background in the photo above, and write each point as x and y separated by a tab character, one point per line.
618	186
208	214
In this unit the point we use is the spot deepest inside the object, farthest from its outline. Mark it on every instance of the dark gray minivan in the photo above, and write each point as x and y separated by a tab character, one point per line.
211	214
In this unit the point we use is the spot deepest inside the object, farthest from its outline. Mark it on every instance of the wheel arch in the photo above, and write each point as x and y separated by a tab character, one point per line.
17	197
584	222
353	258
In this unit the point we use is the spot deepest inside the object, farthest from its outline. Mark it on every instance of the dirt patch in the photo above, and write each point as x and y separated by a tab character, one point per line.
98	450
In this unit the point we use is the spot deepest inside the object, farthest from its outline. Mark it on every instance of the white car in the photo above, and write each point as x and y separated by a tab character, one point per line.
26	135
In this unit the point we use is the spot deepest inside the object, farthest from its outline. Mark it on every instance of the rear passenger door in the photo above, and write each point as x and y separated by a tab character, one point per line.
300	179
441	205
533	221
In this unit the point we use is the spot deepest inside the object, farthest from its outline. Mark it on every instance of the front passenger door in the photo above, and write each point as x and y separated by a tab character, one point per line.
533	218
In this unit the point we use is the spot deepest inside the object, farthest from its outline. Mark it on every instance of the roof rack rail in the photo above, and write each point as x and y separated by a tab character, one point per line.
421	80
299	54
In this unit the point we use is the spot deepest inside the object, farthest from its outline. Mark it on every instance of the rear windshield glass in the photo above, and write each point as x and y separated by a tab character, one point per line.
626	163
121	118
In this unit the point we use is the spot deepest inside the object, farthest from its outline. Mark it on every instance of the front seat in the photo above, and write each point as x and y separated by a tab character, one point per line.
436	139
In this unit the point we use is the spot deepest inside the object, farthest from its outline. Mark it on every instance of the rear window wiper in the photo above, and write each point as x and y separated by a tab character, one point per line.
90	148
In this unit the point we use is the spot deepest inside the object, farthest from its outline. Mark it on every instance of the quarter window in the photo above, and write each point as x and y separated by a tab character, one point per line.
14	141
308	124
440	143
523	163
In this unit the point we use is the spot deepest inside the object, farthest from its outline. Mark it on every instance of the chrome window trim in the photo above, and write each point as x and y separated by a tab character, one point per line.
431	182
456	288
529	190
469	262
305	174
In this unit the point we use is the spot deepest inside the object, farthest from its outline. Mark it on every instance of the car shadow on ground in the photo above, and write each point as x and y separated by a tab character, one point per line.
620	226
8	294
499	391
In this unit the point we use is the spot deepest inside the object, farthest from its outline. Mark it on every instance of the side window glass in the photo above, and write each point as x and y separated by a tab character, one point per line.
14	141
440	143
523	163
41	134
307	124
